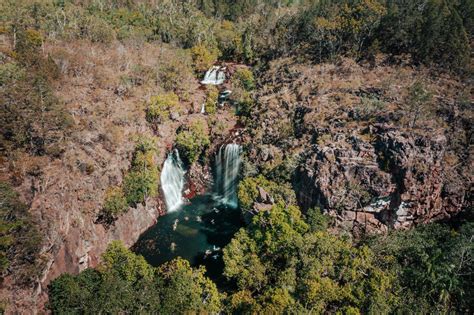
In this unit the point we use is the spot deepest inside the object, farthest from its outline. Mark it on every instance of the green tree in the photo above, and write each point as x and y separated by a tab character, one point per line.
192	140
115	202
417	103
160	107
126	283
203	58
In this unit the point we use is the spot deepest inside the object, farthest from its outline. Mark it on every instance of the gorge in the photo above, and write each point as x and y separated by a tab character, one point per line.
200	228
236	157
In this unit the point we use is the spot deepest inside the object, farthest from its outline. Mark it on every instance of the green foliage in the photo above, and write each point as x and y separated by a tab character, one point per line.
175	73
434	266
316	220
192	140
142	179
160	107
20	241
248	191
140	182
126	264
212	95
115	202
245	78
432	31
96	29
229	41
292	267
187	290
126	283
417	103
203	58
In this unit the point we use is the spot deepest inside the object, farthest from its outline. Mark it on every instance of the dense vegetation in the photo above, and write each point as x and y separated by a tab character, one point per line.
125	282
435	31
284	262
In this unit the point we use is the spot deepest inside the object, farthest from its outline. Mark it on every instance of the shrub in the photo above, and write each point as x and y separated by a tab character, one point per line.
229	41
142	180
160	107
97	30
248	191
244	78
115	202
140	184
192	140
176	72
203	58
211	100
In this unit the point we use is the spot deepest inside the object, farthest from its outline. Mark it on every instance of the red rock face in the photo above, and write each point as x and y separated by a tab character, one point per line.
395	182
359	159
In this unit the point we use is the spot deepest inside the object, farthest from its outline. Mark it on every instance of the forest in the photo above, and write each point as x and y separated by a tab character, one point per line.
293	253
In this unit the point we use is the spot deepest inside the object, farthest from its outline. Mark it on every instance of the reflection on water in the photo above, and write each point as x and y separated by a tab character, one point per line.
197	232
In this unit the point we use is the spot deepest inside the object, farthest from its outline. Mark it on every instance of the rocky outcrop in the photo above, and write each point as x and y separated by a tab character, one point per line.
395	181
359	160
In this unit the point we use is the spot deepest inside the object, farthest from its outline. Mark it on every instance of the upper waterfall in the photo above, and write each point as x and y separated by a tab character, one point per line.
227	172
172	181
215	76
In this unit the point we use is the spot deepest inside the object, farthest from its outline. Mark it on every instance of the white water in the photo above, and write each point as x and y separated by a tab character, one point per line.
227	172
203	108
214	76
172	181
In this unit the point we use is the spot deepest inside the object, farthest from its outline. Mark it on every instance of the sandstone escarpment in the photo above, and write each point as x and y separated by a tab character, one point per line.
358	155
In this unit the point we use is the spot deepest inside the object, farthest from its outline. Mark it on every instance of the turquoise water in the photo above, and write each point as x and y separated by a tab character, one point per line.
196	231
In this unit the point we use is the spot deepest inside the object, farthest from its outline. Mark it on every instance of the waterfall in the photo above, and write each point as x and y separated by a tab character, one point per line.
172	181
227	172
214	76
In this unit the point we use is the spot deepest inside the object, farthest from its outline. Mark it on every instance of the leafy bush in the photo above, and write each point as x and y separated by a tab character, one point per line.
434	265
96	30
175	72
212	95
229	40
142	180
192	140
115	202
417	104
245	78
248	191
160	106
203	58
316	220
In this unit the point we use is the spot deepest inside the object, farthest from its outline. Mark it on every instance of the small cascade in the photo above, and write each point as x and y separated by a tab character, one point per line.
172	181
227	173
203	108
215	76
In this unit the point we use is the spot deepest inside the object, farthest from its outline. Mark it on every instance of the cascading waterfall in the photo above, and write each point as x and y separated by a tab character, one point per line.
227	172
214	76
172	181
